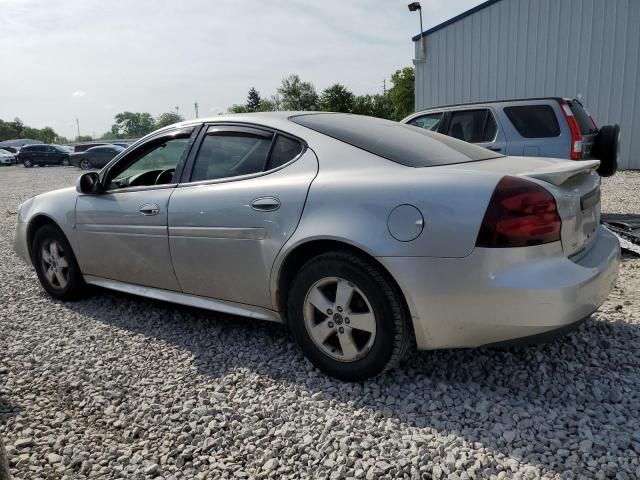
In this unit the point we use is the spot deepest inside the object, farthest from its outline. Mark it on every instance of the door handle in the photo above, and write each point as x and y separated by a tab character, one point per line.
149	209
265	204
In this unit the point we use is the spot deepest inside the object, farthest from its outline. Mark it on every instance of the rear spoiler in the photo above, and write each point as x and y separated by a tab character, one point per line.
560	173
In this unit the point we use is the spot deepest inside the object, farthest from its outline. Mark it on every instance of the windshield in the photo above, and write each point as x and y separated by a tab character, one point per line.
403	144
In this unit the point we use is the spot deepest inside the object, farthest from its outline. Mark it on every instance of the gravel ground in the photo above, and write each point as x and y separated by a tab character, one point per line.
117	386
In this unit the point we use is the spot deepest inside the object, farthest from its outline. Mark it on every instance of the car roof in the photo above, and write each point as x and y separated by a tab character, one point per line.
489	102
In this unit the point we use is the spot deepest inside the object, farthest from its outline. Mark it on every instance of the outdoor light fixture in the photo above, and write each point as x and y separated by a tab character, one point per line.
413	6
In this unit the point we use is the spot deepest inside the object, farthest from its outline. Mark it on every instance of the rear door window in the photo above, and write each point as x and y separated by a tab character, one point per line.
473	126
430	121
284	150
533	121
230	154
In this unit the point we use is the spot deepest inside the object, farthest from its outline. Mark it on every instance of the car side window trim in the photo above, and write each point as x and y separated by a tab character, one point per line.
167	134
185	178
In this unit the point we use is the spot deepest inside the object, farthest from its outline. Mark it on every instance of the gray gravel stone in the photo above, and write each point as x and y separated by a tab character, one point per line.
115	386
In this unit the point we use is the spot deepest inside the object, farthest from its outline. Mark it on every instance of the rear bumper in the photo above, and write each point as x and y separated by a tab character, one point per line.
497	295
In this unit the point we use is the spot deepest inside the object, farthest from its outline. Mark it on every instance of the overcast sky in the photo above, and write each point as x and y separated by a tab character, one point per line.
94	58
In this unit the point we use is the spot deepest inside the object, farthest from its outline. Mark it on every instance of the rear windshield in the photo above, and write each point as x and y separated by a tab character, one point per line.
534	121
403	144
586	127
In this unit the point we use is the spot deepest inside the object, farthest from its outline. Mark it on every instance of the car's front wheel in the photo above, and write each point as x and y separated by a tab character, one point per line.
348	317
85	164
27	163
64	162
56	264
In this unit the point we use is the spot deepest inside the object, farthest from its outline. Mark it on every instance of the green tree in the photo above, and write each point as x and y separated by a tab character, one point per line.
371	105
168	118
336	98
402	93
18	127
130	124
47	135
237	108
298	95
253	100
108	136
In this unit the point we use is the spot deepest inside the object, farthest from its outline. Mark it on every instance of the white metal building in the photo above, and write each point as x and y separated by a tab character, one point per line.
502	49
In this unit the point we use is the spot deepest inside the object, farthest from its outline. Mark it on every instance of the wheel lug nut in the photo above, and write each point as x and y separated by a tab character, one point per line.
341	330
339	309
346	320
329	311
330	324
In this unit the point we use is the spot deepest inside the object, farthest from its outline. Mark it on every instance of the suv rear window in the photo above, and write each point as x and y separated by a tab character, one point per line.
534	121
586	126
403	144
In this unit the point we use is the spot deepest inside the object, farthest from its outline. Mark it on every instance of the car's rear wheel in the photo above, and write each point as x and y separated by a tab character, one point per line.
56	264
85	164
27	163
348	316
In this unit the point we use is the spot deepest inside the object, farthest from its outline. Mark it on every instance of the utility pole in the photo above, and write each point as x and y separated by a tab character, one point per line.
384	86
177	110
195	106
78	125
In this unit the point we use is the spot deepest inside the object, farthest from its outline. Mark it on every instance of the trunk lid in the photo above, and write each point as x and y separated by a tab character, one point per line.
575	186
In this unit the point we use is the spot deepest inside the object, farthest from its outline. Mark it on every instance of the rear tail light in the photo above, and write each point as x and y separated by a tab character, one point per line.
576	134
520	213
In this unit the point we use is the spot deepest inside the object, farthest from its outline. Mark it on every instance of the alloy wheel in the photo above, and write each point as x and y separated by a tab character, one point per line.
85	164
54	264
339	319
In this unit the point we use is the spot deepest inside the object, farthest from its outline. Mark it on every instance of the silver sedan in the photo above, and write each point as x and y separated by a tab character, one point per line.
367	237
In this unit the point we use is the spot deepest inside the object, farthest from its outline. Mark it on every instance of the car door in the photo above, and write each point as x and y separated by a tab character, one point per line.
243	195
39	154
122	231
101	156
51	155
479	126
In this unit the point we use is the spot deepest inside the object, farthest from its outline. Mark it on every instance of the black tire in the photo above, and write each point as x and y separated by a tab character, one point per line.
85	164
64	162
606	150
75	286
27	163
393	336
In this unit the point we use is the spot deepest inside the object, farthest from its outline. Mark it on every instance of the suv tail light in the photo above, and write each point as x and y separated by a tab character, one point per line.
520	213
576	134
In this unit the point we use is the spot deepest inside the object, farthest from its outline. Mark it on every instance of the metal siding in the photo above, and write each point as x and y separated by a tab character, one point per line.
526	48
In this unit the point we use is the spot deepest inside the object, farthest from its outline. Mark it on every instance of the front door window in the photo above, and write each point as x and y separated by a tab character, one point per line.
152	164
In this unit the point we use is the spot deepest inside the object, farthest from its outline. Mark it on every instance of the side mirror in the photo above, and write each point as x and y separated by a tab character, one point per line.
88	183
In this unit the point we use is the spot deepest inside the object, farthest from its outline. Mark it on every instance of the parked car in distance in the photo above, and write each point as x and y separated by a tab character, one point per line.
121	144
6	157
14	150
95	157
81	147
362	234
42	154
535	127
